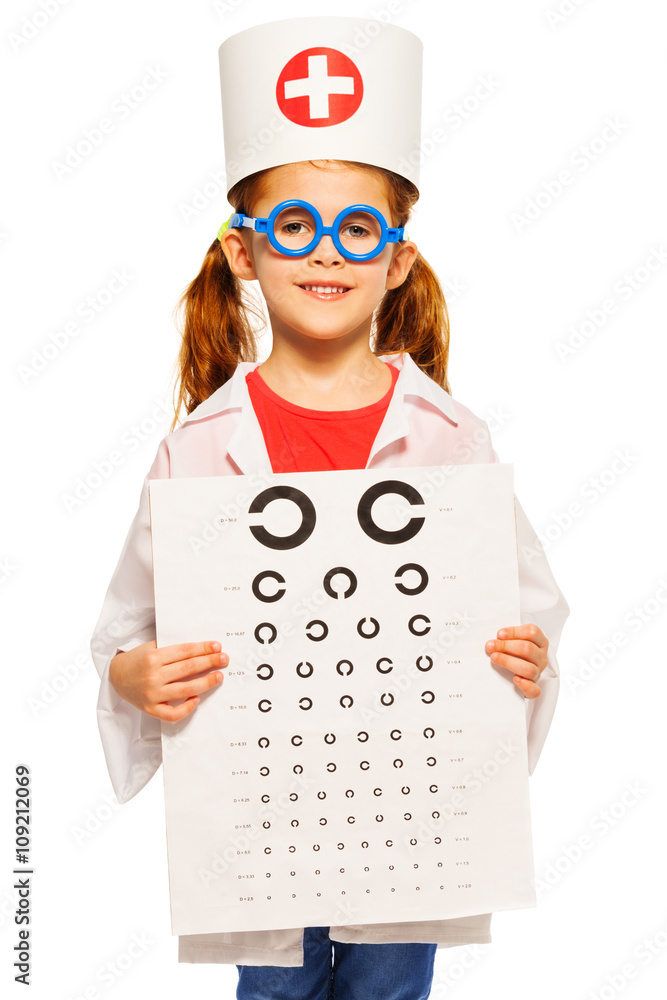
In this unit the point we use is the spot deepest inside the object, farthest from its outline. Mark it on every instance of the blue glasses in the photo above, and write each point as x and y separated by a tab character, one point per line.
295	227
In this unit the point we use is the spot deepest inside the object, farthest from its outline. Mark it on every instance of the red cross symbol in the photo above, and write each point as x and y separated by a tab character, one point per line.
319	87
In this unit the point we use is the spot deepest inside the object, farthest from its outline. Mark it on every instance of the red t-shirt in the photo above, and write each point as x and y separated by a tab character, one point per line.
302	440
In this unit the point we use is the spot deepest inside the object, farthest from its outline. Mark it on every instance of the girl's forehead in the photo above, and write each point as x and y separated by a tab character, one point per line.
325	182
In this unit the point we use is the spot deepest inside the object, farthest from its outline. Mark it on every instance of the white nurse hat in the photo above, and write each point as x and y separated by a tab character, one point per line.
312	88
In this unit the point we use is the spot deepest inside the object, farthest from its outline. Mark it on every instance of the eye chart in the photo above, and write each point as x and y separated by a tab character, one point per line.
363	760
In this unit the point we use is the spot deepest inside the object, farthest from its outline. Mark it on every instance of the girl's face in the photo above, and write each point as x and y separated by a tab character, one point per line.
295	309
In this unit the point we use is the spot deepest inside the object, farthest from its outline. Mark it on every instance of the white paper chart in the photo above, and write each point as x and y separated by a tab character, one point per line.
363	760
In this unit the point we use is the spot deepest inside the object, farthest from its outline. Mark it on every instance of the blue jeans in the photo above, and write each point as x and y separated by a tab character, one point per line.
359	972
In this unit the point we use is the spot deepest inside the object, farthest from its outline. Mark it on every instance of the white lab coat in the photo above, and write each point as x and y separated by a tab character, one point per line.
423	426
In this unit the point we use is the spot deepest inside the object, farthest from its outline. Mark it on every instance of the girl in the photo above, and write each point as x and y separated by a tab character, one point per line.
321	399
356	378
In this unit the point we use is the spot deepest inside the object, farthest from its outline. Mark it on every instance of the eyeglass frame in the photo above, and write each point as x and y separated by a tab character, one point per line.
389	234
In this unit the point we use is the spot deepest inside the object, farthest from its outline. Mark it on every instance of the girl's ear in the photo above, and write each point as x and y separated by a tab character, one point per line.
401	262
237	253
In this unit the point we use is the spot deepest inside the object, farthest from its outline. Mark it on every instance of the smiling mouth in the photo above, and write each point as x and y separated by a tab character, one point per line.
329	291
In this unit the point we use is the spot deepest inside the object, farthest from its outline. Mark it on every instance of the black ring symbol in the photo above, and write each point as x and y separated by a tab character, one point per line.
325	630
266	824
413	841
263	742
266	798
304	664
429	662
389	696
364	765
346	572
294	822
321	795
407	815
427	701
316	847
349	794
264	701
296	740
267	850
422	584
293	797
384	670
303	532
365	512
368	635
435	815
344	673
431	761
340	848
268	574
303	705
346	698
350	819
265	666
323	821
405	789
398	762
264	771
331	766
292	850
362	736
327	740
414	629
389	843
377	791
429	733
432	788
395	731
379	818
364	843
297	769
274	632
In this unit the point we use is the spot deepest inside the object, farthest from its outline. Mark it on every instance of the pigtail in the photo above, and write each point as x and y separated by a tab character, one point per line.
413	318
216	333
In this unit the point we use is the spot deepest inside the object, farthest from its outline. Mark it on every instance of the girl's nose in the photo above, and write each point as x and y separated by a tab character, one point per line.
326	253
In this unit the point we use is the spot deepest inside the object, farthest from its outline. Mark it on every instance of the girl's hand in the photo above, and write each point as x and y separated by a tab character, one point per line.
523	650
149	677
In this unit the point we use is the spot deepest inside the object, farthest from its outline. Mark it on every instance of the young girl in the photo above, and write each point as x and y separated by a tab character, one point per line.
356	378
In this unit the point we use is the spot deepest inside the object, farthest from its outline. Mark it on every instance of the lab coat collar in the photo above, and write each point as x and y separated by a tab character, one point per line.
247	447
412	381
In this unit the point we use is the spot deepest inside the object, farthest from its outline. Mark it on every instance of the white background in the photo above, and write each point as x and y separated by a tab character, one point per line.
514	291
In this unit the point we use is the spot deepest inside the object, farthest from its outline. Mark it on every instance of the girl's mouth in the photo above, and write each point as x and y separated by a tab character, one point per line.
325	291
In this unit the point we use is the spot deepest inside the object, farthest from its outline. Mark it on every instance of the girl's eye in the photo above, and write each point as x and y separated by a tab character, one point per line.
294	228
356	231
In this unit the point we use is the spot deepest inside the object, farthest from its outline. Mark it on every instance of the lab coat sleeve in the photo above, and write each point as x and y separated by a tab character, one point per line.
131	739
541	603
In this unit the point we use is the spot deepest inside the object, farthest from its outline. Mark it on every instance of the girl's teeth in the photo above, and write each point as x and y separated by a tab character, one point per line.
322	290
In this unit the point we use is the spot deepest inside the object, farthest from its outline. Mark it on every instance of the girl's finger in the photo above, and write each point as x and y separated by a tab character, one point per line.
190	689
524	668
527	688
187	650
530	631
180	669
174	713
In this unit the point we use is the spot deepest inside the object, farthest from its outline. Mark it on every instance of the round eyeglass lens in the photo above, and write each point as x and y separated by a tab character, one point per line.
294	228
359	232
